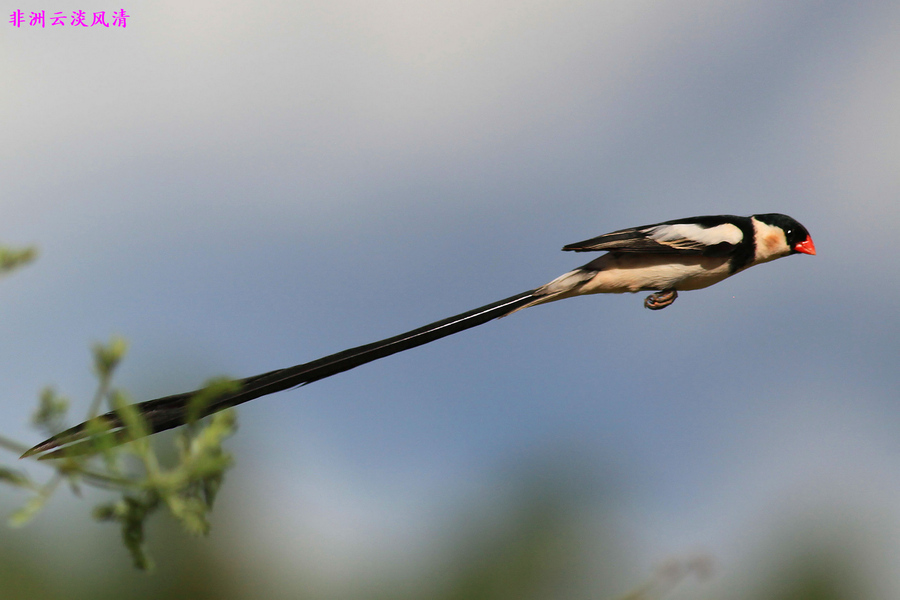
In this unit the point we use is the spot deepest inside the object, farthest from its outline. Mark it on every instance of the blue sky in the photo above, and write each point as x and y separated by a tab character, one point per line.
237	188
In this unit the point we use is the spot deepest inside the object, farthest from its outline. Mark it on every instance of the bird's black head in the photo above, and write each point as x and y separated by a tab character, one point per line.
795	234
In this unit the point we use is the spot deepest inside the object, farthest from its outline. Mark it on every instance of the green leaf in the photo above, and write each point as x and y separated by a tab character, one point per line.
15	478
28	511
108	356
212	391
131	512
131	417
211	486
51	411
191	512
11	258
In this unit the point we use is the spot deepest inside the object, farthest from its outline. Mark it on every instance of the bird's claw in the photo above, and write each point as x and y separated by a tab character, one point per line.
660	300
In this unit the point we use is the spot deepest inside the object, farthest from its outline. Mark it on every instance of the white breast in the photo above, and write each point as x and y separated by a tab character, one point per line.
635	273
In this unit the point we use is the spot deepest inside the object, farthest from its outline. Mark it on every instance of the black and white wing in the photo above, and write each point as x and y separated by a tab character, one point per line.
708	236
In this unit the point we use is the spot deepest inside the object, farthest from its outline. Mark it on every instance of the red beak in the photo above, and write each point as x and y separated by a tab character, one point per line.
806	246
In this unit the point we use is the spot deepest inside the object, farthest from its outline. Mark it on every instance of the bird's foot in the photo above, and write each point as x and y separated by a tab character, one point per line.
660	300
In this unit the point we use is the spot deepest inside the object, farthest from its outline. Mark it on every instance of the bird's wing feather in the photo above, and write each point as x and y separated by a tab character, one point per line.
710	236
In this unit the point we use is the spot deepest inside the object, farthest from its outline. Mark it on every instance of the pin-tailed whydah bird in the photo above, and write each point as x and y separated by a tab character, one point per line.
665	258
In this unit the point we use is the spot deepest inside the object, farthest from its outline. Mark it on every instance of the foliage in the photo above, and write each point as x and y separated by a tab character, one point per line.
187	489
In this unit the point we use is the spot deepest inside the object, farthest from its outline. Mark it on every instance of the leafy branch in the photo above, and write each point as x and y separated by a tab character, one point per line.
186	490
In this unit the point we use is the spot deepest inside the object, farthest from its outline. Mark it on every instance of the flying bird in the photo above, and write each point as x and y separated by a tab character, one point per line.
664	258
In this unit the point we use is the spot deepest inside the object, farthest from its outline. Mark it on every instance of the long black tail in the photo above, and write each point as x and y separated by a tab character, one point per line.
172	411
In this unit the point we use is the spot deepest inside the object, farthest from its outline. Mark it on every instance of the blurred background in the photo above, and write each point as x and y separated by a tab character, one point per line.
237	187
